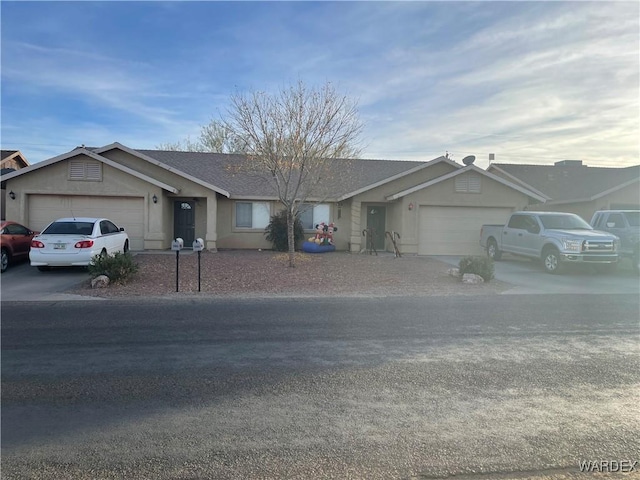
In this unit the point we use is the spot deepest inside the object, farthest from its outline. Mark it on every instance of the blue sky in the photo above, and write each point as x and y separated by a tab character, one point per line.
531	82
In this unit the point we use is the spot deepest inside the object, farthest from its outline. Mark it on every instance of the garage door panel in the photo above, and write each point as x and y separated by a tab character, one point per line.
126	212
455	230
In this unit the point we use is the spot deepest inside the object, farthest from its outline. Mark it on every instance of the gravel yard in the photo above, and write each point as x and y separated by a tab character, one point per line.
266	273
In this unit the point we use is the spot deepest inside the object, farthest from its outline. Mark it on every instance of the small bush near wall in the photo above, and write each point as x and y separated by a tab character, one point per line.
276	231
482	266
119	267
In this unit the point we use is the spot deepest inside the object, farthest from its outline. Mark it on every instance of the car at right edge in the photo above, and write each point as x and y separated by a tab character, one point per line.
624	224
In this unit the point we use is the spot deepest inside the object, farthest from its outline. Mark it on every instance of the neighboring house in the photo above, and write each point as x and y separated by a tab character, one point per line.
10	160
437	207
570	186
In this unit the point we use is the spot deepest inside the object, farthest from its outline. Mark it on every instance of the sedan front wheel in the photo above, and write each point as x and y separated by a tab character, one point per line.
5	260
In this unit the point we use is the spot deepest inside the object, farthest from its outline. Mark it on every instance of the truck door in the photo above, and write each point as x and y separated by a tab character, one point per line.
531	239
512	234
615	223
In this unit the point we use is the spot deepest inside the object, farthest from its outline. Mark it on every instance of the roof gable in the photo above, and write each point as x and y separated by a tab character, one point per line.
83	151
407	171
142	154
470	168
9	157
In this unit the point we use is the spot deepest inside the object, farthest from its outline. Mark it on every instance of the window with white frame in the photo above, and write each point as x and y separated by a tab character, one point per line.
85	170
312	215
468	183
252	214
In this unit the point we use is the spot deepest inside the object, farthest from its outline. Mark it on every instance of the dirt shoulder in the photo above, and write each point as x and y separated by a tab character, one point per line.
266	273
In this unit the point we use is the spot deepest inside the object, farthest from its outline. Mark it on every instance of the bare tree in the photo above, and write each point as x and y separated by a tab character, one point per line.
214	138
292	138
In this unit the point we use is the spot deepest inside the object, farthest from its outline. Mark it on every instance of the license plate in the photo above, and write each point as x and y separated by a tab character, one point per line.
59	246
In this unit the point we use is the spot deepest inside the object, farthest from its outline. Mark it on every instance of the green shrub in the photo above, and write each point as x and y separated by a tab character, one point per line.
119	267
480	265
276	231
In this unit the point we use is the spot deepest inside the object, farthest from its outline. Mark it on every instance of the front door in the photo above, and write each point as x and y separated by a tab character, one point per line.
376	224
184	221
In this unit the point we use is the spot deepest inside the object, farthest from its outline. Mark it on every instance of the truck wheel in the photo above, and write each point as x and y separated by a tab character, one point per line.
551	260
493	252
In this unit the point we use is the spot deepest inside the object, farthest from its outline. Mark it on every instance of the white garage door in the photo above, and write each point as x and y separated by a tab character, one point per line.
127	212
455	230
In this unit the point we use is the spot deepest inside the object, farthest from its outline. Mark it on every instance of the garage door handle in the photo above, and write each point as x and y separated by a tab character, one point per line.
519	234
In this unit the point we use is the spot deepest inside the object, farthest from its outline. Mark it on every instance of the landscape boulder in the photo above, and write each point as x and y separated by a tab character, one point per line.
101	281
472	278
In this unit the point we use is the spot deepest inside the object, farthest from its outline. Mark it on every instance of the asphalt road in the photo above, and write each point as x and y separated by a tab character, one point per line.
498	387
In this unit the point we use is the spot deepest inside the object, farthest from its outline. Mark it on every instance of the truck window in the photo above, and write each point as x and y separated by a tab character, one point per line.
633	218
517	221
615	220
564	222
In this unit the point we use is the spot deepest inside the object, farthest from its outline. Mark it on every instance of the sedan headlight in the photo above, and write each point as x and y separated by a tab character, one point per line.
571	245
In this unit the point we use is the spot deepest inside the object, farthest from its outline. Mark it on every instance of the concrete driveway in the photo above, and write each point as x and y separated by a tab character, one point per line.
22	282
528	277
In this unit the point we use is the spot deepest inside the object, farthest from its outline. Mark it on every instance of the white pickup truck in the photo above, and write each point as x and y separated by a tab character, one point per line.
553	237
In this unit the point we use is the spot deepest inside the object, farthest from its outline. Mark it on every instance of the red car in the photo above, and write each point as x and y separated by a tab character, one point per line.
15	242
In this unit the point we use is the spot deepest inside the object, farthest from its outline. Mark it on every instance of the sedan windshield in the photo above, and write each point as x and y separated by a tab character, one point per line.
69	228
564	222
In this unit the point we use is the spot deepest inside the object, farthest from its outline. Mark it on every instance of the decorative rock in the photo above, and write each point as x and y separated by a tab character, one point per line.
101	281
454	272
472	278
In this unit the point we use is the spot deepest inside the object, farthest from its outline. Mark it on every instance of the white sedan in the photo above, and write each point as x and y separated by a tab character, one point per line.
73	242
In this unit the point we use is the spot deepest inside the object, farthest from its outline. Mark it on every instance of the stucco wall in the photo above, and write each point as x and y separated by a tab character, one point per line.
238	238
405	221
53	180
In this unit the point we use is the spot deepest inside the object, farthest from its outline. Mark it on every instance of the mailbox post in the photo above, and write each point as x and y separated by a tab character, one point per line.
198	246
176	246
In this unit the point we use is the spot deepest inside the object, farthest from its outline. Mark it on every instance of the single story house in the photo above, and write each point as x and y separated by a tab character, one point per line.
436	207
570	186
10	160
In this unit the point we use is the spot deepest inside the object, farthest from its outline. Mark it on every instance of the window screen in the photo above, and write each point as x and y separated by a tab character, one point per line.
252	214
314	215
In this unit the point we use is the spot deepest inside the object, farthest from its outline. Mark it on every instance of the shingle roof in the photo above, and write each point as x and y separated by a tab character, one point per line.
563	183
218	169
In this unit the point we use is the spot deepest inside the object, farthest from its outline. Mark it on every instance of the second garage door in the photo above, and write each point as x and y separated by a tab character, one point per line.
127	212
455	230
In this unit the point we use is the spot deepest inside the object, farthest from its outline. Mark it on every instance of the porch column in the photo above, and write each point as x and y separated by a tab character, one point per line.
356	227
210	242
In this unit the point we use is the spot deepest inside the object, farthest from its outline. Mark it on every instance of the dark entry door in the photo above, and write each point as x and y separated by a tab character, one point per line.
376	222
184	221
